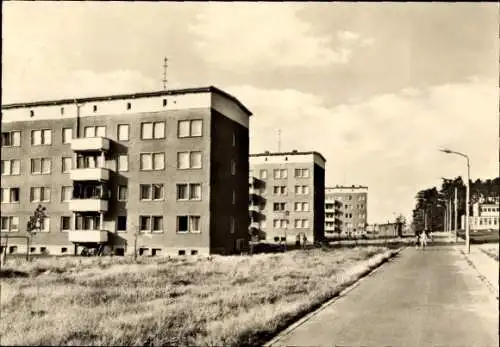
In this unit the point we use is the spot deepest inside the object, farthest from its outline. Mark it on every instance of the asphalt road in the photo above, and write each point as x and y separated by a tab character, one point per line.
430	298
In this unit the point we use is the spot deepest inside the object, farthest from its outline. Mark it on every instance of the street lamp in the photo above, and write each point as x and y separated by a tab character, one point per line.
467	236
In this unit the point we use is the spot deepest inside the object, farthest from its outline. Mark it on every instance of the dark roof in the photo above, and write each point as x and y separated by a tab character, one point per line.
209	89
267	154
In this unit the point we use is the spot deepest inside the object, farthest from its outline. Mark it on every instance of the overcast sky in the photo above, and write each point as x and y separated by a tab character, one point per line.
376	88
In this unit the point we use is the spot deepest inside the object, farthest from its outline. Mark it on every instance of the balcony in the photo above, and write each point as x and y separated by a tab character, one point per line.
89	174
90	144
88	205
83	236
254	208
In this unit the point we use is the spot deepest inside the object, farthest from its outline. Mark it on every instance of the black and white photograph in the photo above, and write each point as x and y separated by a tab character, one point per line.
210	173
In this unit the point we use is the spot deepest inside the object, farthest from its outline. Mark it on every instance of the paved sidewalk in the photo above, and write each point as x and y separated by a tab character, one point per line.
420	298
486	267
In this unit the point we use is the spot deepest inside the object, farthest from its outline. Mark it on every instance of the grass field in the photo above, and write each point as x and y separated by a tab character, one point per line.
480	237
230	301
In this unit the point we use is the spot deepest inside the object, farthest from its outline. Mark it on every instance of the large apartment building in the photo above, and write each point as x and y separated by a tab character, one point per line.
287	196
165	172
346	210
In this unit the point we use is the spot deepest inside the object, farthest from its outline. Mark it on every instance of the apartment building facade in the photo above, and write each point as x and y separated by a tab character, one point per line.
485	216
163	172
286	200
346	210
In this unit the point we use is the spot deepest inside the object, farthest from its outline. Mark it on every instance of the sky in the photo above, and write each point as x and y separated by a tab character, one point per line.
377	88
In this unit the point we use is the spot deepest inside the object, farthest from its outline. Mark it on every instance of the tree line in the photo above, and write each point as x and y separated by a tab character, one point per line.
430	207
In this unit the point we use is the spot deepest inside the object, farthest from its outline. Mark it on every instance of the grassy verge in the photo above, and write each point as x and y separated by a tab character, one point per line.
224	301
491	250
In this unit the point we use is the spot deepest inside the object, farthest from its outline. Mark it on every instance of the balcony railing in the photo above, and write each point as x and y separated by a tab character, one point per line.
90	144
88	205
82	236
89	174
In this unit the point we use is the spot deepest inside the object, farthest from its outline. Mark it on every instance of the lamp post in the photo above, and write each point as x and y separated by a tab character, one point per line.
467	193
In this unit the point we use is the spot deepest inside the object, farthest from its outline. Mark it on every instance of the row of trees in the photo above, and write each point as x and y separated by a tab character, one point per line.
431	203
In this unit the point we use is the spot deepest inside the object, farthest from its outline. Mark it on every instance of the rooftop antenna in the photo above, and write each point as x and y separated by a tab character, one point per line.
279	140
165	66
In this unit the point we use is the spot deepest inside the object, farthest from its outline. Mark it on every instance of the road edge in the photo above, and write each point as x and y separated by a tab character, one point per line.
491	286
350	286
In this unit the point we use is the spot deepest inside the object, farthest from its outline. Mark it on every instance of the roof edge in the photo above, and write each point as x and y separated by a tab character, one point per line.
267	154
209	89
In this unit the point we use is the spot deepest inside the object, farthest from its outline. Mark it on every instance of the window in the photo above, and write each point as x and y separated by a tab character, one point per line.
191	191
301	190
122	193
234	197
279	206
234	139
129	105
10	195
66	193
350	197
62	110
164	102
189	160
38	194
94	108
11	139
65	223
279	190
64	250
232	225
149	224
123	132
95	131
302	173
152	130
121	223
194	252
190	128
41	166
66	164
88	222
233	167
67	135
263	174
302	206
11	167
152	161
280	223
45	225
10	224
41	137
188	224
280	173
151	191
122	163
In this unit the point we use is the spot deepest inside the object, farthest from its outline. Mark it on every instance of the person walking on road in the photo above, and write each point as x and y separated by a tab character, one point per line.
423	239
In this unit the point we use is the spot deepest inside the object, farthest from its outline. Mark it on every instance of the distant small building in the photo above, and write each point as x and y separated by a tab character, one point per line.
388	229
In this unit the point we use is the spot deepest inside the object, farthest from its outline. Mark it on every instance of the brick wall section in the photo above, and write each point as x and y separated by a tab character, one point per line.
223	182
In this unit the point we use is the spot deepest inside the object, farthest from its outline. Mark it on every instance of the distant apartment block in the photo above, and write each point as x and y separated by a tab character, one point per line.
286	200
168	167
346	210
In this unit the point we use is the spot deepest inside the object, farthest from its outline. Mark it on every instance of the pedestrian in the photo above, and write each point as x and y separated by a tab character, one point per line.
423	239
417	241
